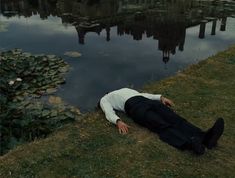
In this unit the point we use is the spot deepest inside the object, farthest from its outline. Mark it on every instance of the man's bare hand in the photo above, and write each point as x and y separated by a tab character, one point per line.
122	127
166	101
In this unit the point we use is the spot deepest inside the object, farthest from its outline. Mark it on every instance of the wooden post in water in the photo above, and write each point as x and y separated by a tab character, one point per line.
223	24
213	27
202	30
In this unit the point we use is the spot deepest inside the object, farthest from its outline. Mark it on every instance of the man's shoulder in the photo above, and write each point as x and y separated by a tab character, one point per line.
126	89
119	90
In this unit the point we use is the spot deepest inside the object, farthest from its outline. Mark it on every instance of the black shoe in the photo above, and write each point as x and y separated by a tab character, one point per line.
214	133
197	146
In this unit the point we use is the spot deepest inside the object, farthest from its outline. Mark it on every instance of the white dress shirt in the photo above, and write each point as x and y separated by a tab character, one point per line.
116	100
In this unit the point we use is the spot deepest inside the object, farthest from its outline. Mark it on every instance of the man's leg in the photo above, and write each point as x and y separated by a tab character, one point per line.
154	122
142	111
208	138
173	135
214	133
169	134
178	122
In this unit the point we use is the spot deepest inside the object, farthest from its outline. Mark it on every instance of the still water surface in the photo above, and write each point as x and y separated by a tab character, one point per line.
123	43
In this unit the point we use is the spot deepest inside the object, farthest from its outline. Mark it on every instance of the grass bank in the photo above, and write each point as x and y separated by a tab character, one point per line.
92	147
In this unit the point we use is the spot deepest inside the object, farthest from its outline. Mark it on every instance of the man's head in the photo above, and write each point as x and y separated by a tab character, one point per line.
98	105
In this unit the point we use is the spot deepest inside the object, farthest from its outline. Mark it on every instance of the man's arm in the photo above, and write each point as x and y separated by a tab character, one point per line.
122	127
159	97
152	96
112	117
108	111
166	101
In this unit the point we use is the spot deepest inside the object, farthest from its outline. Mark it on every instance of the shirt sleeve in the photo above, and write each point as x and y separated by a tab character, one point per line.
152	96
108	111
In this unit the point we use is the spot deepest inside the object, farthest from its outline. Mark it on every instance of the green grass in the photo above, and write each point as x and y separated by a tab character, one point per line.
92	147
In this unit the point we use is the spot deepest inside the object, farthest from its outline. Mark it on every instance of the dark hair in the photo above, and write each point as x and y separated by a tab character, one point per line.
98	105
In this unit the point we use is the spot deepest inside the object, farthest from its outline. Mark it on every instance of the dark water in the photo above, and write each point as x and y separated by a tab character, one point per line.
123	43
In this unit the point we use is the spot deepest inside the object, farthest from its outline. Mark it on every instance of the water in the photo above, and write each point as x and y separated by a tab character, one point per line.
123	43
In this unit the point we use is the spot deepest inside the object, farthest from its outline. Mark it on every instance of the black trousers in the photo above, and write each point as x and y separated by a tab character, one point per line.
171	128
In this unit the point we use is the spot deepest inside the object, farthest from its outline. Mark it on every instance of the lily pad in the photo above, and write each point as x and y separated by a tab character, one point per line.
55	100
53	113
51	90
73	54
24	78
75	110
51	56
45	113
26	54
69	114
63	69
3	26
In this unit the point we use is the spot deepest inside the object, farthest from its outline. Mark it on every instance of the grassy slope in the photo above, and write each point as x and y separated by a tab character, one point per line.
92	147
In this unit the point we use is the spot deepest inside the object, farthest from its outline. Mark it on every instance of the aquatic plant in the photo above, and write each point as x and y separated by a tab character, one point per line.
3	26
74	54
24	79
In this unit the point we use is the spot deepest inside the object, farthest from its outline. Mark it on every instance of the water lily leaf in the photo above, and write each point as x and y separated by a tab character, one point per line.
45	113
54	66
16	121
39	67
24	103
3	27
51	90
51	56
35	95
53	113
55	100
61	108
76	110
17	51
32	76
13	142
32	90
40	78
52	73
19	98
39	55
63	69
73	54
36	112
62	117
38	105
46	68
3	98
26	54
27	72
69	114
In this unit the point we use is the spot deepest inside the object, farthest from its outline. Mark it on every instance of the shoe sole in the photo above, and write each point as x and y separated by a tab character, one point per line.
219	129
197	147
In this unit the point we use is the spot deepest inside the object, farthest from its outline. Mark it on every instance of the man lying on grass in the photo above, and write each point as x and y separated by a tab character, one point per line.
152	111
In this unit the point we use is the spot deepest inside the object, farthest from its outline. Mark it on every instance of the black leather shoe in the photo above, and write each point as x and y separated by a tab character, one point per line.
214	133
197	146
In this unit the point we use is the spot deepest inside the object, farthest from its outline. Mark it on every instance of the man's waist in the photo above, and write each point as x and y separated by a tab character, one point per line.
134	102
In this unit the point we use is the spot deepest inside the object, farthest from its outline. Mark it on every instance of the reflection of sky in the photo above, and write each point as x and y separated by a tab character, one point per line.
202	48
105	66
49	26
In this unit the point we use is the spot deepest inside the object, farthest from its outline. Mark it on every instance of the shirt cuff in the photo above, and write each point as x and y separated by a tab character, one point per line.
160	96
117	121
114	120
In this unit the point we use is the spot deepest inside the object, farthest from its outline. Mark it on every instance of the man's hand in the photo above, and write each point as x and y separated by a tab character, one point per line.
166	101
122	127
